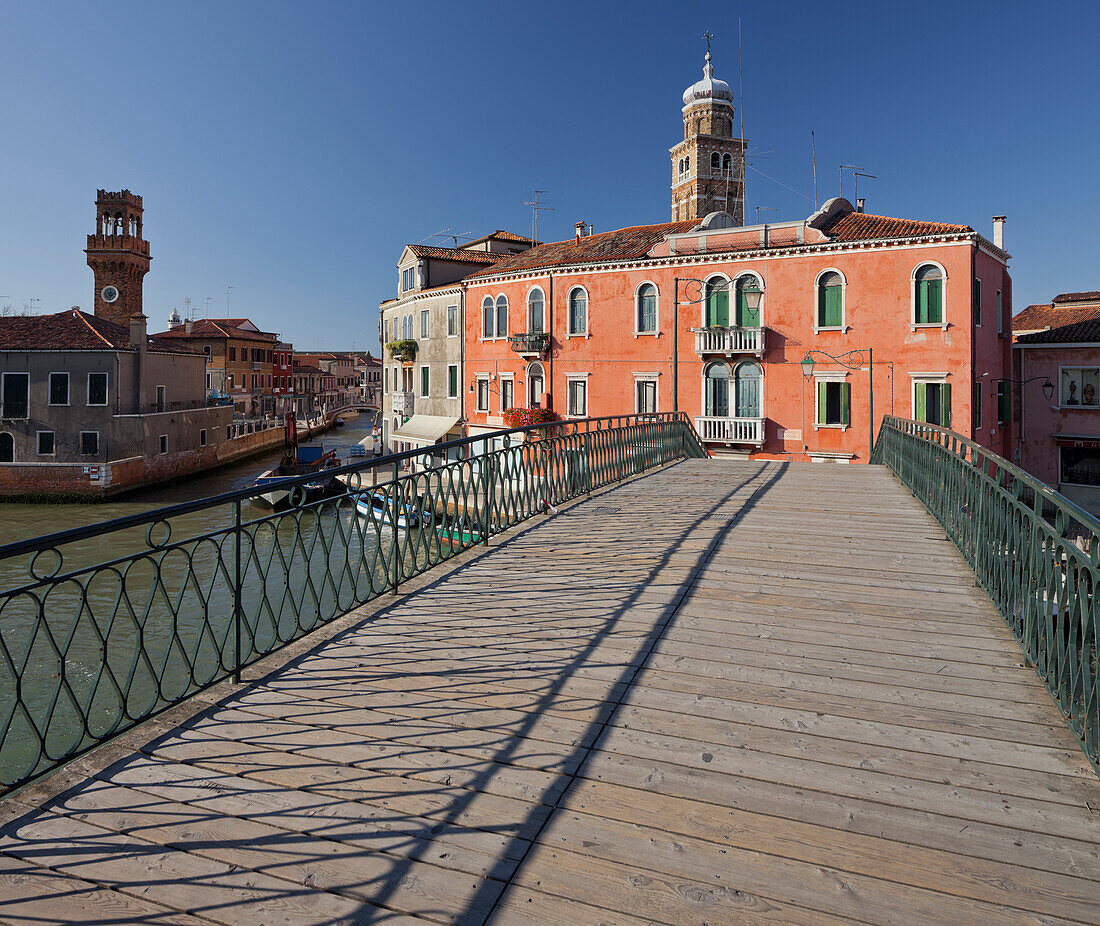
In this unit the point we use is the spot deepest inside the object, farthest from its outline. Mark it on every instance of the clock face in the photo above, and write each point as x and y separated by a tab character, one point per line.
109	293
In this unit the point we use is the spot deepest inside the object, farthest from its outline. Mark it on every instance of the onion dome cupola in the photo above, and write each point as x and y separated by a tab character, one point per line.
709	89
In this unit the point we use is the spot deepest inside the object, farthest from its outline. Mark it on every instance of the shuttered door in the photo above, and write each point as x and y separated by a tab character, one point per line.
945	405
845	403
919	401
718	309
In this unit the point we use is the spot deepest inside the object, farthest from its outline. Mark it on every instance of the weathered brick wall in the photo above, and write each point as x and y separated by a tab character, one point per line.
39	481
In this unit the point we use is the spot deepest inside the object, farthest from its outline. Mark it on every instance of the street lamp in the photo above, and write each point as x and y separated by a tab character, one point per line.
1048	389
850	360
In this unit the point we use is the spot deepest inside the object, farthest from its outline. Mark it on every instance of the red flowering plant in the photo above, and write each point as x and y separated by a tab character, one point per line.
523	417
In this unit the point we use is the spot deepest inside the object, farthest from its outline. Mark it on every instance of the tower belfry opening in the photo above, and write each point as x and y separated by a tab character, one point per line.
708	166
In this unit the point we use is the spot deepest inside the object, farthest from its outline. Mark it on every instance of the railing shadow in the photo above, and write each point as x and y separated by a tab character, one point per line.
343	779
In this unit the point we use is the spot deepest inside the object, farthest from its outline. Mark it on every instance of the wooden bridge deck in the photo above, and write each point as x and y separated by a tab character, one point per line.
726	692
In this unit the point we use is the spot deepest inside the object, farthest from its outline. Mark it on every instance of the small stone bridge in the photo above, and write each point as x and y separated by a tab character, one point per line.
720	693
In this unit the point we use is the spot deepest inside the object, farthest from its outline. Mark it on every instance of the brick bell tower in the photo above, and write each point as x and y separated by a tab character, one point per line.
118	256
708	166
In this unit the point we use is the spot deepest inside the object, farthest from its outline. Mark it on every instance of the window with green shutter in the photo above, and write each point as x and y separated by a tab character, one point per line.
830	305
424	381
744	317
834	403
718	304
932	403
452	381
1004	402
929	295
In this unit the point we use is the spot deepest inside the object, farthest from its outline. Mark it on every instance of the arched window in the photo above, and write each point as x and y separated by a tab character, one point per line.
536	383
578	311
646	318
747	389
830	300
488	327
716	399
535	314
744	315
502	316
727	164
717	303
715	163
928	295
7	448
687	164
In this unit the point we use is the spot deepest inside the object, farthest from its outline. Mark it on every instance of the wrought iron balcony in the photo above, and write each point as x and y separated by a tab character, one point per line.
719	430
530	342
729	340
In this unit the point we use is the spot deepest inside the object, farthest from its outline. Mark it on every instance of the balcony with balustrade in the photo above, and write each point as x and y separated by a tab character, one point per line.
714	429
729	341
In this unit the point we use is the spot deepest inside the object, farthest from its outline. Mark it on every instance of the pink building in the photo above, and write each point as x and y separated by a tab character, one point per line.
1057	363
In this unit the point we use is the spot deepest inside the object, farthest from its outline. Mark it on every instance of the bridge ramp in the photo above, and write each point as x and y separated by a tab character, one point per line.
727	692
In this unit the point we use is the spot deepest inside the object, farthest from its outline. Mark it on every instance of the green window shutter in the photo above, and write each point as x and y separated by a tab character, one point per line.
833	308
722	308
822	389
945	405
919	395
822	307
935	301
922	303
845	403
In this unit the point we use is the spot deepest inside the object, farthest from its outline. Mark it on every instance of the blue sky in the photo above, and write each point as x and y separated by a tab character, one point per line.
289	150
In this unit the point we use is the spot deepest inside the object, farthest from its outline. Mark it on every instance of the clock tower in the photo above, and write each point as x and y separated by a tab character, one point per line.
118	256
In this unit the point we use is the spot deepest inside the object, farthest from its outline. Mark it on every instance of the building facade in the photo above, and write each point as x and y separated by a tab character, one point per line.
662	318
422	336
242	359
1056	395
88	407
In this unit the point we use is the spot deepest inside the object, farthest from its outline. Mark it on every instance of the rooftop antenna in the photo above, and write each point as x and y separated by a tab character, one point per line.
766	209
208	299
741	118
855	179
813	157
844	167
228	293
188	310
536	208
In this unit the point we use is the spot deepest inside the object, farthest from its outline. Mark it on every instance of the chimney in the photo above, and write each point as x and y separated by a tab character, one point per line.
187	326
999	231
580	229
138	337
860	203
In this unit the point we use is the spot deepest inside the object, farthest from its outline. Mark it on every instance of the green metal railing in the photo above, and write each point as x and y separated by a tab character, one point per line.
1035	553
105	626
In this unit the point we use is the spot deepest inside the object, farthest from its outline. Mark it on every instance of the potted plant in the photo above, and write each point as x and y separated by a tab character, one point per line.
404	349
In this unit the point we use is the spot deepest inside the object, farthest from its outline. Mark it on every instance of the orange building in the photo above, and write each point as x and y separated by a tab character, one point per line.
715	320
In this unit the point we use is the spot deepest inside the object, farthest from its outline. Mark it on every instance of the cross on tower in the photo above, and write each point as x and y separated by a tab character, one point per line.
708	35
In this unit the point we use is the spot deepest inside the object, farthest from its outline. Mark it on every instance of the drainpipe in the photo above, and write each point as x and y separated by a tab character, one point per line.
549	342
675	339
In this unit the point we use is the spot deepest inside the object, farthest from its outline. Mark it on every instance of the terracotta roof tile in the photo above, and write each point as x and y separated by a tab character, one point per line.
1087	331
71	330
862	226
622	244
455	254
1093	296
1047	315
217	328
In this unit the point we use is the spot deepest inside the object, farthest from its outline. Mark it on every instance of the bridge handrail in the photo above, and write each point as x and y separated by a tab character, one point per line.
105	626
1035	552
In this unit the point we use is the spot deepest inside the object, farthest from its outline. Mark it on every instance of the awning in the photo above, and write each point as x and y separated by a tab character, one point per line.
1089	441
424	429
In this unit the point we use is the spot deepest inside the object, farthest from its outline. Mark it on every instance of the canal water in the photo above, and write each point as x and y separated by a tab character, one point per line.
108	630
19	521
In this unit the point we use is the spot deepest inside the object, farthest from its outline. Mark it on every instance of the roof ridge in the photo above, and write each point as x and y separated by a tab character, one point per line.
92	328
